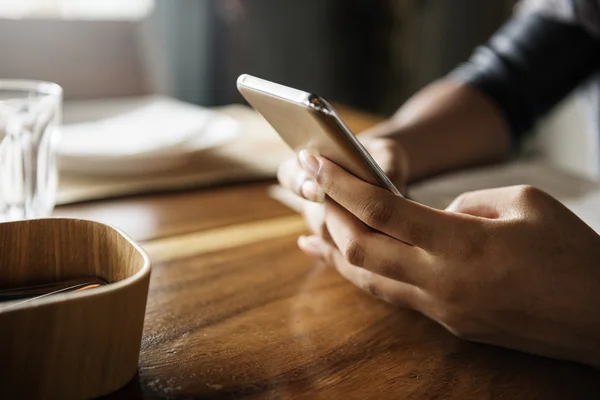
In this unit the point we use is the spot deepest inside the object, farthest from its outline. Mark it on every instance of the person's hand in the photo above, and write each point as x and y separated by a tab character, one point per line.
511	266
386	152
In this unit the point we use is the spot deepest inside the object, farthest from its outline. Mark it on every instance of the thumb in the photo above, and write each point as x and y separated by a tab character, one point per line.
488	203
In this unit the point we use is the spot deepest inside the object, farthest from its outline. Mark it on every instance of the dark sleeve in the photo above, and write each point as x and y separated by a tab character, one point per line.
529	65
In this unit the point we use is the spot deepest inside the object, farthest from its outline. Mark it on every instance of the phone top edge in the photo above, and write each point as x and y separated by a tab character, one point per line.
284	92
321	105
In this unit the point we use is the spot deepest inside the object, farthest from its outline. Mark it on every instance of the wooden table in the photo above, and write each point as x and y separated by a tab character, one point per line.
236	310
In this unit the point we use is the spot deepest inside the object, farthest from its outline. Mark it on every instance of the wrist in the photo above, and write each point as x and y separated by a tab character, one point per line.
445	127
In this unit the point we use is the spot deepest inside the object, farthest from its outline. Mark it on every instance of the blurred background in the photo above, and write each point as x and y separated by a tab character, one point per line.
370	55
367	54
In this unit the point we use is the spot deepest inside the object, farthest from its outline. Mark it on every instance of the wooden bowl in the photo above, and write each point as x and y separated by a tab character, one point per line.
77	344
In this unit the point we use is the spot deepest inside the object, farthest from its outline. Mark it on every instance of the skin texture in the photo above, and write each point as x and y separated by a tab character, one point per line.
510	266
446	126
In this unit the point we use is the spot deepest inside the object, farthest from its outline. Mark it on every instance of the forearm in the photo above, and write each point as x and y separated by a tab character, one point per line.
472	116
444	127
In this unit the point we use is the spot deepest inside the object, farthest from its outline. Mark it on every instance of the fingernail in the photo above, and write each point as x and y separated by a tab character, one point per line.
310	246
309	162
312	191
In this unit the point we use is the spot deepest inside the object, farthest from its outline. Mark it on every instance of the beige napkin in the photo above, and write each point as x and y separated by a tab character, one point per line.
254	155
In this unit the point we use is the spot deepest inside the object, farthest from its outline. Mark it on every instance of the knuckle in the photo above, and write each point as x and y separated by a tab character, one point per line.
461	201
372	287
377	212
528	192
531	202
354	252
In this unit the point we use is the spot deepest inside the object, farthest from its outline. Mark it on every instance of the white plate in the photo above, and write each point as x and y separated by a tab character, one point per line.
138	135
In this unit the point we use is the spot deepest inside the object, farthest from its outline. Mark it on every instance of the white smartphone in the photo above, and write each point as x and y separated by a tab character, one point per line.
307	121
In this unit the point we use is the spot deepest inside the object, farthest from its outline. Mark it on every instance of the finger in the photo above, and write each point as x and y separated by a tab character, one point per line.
288	173
314	215
293	177
374	251
400	218
287	198
399	293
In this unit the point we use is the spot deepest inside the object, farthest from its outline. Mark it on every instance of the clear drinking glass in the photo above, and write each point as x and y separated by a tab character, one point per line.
30	114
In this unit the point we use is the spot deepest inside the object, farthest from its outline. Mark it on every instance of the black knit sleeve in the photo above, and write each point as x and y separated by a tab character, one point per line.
529	65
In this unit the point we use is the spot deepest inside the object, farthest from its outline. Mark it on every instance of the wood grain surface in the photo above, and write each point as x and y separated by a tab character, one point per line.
236	310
